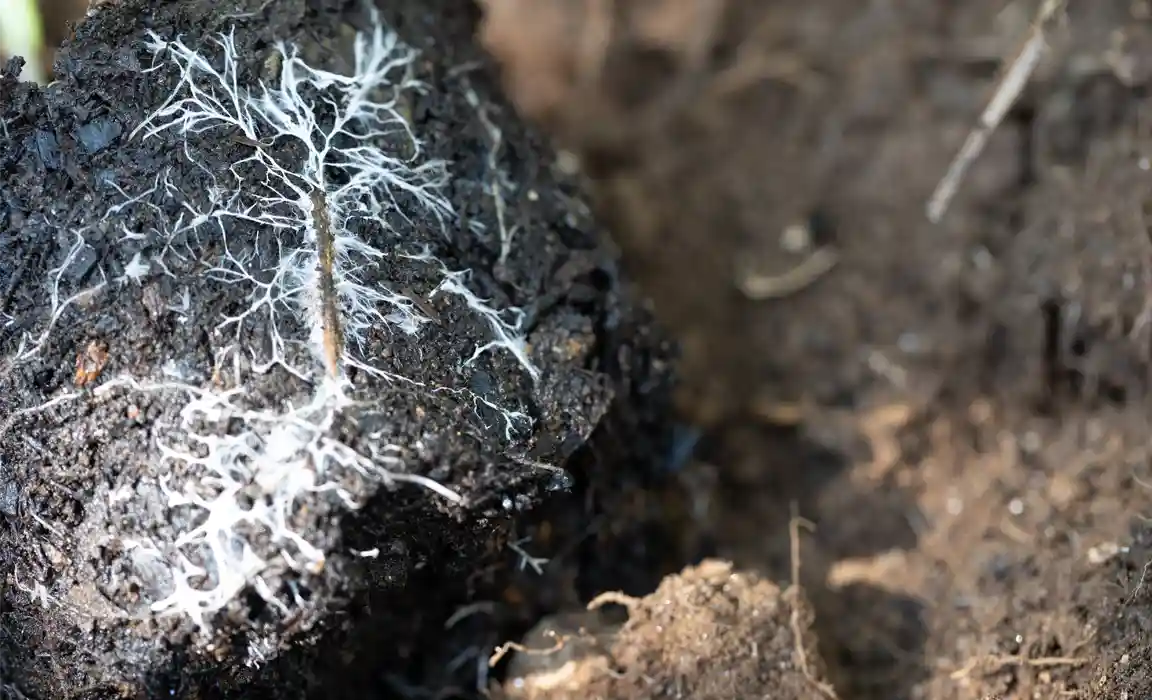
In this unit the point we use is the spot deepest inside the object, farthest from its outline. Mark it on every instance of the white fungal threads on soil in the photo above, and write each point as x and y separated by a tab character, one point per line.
253	474
30	347
318	279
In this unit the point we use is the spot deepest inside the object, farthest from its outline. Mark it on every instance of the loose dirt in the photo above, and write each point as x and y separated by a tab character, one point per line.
708	633
961	409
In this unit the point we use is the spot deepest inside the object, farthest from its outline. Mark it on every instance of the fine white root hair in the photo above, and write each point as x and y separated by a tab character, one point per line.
497	184
30	346
507	334
253	479
526	560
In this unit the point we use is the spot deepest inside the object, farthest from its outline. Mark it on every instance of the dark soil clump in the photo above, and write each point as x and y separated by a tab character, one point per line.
257	396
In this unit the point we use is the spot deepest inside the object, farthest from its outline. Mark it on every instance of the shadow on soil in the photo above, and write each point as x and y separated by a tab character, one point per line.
871	636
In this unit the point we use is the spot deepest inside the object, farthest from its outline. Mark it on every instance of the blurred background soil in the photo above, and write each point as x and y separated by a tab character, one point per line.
958	411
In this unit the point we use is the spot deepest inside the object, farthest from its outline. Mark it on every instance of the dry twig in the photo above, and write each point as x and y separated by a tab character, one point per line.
503	649
609	597
764	287
794	524
995	663
1006	94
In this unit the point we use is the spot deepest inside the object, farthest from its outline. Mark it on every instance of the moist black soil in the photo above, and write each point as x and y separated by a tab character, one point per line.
109	332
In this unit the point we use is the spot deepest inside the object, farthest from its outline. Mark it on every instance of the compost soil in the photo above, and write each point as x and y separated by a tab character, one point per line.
114	317
953	418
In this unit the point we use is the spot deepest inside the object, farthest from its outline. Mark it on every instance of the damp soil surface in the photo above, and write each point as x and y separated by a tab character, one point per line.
958	410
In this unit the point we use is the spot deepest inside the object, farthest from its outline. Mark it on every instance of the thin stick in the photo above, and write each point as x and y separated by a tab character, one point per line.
797	632
997	662
1011	85
610	597
329	303
815	266
503	649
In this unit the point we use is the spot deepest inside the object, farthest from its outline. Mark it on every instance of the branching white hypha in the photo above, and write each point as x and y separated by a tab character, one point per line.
292	234
309	207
